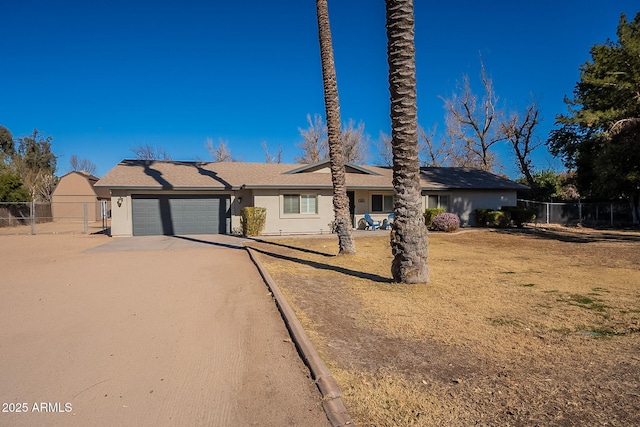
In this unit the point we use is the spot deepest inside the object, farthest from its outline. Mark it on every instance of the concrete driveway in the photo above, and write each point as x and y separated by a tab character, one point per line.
157	331
159	243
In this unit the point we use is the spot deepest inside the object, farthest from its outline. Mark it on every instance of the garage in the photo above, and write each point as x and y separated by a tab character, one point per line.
180	215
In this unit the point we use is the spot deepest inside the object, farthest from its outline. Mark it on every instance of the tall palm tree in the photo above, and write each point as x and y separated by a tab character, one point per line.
334	136
409	240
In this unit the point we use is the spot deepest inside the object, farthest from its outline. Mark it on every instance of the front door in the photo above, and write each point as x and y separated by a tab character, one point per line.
352	207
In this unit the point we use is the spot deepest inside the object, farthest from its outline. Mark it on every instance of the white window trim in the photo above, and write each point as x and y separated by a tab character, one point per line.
301	214
439	196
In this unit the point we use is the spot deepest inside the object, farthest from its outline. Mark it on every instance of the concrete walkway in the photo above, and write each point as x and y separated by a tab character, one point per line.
166	331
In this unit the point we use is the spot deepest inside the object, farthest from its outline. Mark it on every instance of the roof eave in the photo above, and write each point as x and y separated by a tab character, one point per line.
154	188
285	187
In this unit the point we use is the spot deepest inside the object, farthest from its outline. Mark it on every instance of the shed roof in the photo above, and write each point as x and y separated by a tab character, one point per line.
101	193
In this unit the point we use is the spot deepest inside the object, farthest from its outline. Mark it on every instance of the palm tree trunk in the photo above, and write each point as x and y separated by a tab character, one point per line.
409	239
334	136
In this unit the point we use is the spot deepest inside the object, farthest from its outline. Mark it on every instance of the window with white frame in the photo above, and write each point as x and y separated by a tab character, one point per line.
381	203
438	201
300	204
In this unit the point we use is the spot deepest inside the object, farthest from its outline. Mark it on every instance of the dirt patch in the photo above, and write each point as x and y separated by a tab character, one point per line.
525	327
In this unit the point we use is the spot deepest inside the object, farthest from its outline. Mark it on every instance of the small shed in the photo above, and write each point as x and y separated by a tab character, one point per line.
75	195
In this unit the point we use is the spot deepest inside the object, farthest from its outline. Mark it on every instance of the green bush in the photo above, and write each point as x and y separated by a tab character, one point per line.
253	220
519	215
11	189
481	217
498	219
506	216
430	213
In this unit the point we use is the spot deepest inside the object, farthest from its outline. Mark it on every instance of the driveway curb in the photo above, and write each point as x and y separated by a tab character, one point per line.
331	392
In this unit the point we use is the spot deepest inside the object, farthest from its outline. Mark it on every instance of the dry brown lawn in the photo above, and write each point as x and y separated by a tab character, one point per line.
522	327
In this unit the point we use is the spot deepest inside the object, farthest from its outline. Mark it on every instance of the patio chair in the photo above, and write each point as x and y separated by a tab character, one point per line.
386	223
370	222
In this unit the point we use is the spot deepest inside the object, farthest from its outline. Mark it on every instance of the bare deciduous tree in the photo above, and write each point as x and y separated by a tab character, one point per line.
409	239
385	152
355	143
78	164
220	152
314	140
473	125
272	158
342	221
519	130
38	181
431	153
149	152
315	148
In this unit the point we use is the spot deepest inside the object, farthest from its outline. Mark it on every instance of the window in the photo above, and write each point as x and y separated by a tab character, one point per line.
300	204
438	202
291	204
308	204
381	203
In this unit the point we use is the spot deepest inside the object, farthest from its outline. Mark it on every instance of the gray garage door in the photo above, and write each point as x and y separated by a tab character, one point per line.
168	215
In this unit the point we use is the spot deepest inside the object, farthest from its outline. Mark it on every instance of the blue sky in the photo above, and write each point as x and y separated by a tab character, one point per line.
101	77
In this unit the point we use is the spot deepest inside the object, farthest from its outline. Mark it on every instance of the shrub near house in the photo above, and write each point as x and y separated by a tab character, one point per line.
431	213
448	222
506	216
252	220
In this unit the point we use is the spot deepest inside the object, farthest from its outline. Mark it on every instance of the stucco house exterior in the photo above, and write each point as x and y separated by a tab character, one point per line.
172	197
75	190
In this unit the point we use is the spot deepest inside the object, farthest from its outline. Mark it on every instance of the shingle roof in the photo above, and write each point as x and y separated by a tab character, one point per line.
156	175
465	178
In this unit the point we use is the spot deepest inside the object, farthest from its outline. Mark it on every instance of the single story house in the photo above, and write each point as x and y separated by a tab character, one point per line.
76	192
172	197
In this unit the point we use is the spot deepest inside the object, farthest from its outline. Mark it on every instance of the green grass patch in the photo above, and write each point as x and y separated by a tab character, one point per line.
581	299
528	285
584	301
501	321
601	333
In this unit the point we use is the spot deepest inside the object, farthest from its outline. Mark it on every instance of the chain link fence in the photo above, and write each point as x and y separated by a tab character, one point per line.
55	218
596	214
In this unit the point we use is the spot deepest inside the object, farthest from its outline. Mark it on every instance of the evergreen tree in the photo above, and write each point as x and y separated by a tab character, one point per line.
600	135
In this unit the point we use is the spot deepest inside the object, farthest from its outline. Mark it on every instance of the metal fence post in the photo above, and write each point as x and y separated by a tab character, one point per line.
86	218
32	217
547	205
103	214
612	214
580	211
